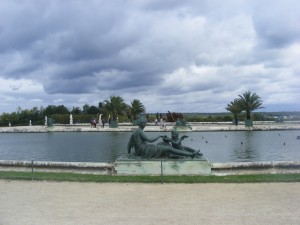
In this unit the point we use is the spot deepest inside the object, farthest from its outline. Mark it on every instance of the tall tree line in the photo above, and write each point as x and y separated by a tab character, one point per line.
114	108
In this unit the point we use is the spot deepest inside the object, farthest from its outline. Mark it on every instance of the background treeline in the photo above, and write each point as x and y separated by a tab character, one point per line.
115	109
61	115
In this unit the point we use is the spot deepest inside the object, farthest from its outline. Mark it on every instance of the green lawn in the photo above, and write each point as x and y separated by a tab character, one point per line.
45	176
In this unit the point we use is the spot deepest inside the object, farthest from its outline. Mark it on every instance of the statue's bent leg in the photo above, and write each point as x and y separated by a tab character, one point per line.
192	150
167	149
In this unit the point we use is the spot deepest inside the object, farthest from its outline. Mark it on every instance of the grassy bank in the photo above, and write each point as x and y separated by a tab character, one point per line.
257	178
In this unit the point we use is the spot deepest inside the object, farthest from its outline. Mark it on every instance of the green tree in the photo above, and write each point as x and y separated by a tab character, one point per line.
93	110
115	106
5	119
12	118
76	111
52	109
235	109
249	102
136	108
24	116
85	108
102	110
61	109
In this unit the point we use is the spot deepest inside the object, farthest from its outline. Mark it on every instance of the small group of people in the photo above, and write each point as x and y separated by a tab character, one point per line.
169	147
103	122
160	122
94	123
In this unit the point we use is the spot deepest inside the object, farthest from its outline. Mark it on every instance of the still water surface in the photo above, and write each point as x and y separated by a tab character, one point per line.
236	146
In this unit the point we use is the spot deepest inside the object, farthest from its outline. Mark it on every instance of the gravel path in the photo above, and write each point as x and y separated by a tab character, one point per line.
33	202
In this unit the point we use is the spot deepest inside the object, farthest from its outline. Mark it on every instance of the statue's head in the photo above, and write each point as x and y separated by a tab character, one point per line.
142	121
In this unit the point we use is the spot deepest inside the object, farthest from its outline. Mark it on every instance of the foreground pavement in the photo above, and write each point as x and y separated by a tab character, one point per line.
33	202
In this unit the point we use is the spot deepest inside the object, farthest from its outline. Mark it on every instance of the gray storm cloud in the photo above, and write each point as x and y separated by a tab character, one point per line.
108	47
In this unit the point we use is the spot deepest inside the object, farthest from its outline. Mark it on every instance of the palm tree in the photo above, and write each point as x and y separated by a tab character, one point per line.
136	108
115	106
235	109
249	102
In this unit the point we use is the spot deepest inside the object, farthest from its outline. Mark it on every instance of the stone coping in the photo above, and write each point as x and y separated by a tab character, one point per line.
196	127
127	158
230	168
48	166
83	165
256	165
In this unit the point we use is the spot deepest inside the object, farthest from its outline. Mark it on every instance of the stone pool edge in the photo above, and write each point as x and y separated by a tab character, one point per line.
127	127
217	169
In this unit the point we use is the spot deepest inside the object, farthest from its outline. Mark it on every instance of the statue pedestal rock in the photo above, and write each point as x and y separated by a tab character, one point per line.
131	165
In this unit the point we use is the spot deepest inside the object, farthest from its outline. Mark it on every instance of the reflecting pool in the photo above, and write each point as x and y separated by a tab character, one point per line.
228	146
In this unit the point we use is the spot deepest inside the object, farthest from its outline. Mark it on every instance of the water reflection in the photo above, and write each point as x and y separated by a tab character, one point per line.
245	149
241	146
118	144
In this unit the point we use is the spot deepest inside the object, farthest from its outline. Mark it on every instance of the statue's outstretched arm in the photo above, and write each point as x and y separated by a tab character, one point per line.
146	138
176	142
183	137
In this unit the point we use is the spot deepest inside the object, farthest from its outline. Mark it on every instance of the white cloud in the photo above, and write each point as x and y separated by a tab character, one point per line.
172	55
59	100
22	86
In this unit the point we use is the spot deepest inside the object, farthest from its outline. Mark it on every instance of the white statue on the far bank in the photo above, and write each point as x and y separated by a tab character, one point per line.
30	123
46	120
71	119
100	119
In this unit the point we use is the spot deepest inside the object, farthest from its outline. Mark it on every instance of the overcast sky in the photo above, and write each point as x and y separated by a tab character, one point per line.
172	55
